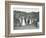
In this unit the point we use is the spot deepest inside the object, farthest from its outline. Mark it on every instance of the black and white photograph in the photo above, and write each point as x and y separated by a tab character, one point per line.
24	19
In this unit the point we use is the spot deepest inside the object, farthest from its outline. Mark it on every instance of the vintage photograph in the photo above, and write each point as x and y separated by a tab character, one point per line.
24	19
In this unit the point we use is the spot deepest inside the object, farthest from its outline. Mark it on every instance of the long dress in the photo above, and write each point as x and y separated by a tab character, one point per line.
23	21
30	21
